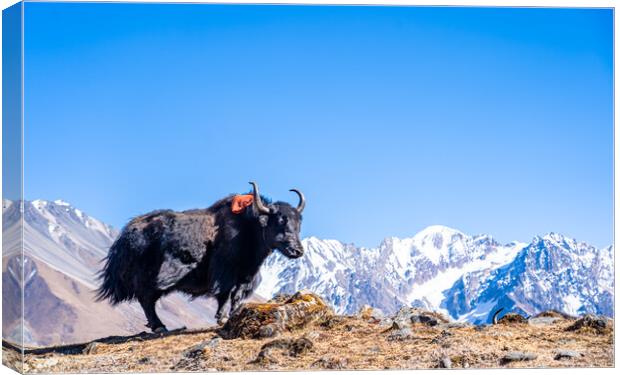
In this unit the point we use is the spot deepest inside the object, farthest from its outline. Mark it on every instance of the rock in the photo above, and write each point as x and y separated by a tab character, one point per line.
518	356
295	312
145	360
292	347
45	364
401	324
370	314
445	362
264	357
386	322
512	318
300	346
331	363
456	325
400	334
592	324
409	315
332	321
566	354
270	330
91	348
428	318
195	351
543	321
277	344
214	342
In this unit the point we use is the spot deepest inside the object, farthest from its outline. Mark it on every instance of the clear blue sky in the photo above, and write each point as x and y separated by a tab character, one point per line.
390	119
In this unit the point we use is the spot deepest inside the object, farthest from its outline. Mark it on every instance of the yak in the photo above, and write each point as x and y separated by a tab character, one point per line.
213	252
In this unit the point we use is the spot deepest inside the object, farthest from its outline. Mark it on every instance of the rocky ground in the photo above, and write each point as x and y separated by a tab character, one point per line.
301	333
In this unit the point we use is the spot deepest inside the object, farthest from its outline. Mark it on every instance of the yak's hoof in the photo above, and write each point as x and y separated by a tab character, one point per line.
161	329
222	321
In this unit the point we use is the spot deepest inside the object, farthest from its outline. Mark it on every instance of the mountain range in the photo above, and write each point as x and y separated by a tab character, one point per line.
442	269
439	268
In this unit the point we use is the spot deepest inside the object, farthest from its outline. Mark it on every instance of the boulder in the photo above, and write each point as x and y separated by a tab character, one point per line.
290	347
195	351
591	324
518	356
293	313
543	321
413	315
331	363
566	354
512	318
457	325
400	334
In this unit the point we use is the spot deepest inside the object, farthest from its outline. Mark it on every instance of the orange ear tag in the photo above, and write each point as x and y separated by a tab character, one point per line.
240	202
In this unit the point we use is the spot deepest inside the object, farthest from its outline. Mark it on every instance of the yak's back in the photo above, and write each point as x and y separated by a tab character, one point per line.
182	239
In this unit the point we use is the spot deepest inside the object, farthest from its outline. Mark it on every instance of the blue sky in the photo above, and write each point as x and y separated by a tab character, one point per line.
390	119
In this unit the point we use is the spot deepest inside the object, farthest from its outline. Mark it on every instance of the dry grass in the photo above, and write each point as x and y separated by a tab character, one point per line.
344	343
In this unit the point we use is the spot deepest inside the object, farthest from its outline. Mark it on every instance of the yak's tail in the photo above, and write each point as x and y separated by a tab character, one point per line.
113	288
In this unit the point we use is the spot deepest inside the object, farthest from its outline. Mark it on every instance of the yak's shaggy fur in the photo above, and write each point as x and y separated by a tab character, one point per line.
202	252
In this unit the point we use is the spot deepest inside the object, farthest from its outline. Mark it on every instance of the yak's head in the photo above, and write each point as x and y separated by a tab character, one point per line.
281	223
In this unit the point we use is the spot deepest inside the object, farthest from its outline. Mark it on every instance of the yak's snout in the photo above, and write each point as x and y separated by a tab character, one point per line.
292	249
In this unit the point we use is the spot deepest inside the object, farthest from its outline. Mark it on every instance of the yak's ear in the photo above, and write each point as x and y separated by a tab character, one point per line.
263	219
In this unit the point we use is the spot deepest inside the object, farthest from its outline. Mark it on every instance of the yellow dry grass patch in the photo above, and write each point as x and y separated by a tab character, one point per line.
351	343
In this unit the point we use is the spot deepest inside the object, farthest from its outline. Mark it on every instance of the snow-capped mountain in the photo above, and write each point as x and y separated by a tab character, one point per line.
443	269
553	272
439	268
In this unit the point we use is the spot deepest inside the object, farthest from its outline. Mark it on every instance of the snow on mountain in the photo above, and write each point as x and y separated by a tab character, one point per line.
79	242
552	272
443	269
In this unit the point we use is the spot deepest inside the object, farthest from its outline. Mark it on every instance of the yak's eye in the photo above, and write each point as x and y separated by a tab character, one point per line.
282	220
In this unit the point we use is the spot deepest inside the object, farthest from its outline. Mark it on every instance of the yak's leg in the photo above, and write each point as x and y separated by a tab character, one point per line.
237	295
148	305
222	298
242	291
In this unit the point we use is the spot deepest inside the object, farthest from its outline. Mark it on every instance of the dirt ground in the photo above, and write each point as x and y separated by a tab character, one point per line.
356	342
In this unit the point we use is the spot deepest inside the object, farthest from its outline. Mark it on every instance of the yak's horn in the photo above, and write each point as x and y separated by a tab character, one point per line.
258	203
302	200
496	314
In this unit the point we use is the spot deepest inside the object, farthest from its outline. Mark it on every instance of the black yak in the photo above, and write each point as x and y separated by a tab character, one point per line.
213	252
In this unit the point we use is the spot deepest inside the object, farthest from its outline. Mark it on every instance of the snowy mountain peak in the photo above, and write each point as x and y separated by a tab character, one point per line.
39	203
438	230
443	269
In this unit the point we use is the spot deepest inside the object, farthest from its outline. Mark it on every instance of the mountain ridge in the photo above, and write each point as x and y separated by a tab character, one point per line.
426	270
439	268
